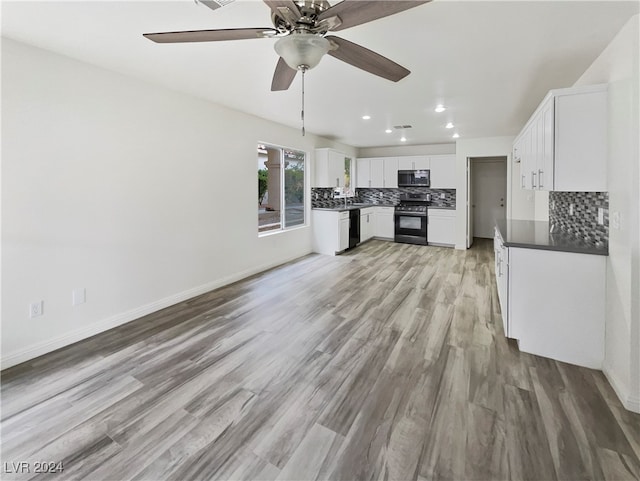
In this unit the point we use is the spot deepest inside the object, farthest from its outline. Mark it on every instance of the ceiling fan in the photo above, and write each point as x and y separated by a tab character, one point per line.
302	27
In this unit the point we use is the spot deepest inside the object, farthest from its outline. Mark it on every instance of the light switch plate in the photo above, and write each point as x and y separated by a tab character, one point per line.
78	296
615	220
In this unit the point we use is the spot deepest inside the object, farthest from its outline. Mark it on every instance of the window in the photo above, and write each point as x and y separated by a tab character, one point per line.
347	177
281	185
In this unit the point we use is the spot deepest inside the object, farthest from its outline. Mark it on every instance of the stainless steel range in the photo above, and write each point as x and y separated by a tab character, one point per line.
410	217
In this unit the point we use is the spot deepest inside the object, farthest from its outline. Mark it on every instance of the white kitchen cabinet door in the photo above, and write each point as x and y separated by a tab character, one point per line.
344	233
329	168
443	171
384	226
501	254
545	156
376	172
390	172
363	173
580	160
441	227
563	146
367	223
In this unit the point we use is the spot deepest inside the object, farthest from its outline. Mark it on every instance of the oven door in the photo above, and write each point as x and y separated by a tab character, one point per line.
411	228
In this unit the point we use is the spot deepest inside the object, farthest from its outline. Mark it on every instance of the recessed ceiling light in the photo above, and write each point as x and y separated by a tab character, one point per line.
440	108
456	135
403	139
366	117
388	131
448	126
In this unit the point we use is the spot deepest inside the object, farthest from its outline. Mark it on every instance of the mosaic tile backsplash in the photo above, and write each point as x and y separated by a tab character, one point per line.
583	224
323	197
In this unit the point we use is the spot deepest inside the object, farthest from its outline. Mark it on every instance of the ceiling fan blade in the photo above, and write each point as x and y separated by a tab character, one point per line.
283	76
210	35
214	4
357	12
366	59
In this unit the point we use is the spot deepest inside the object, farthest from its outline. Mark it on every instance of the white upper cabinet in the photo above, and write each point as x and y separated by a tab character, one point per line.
363	173
443	171
391	172
329	168
377	172
414	162
563	146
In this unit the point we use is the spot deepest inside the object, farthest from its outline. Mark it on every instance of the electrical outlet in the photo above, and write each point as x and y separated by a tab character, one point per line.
36	309
571	209
442	196
380	194
600	216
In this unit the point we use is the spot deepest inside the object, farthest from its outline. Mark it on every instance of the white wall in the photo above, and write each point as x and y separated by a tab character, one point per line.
485	147
139	194
618	66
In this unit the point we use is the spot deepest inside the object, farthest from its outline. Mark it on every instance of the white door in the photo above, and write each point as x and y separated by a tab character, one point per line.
488	195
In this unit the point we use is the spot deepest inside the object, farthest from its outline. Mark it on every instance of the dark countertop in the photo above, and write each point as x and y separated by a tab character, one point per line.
440	207
342	208
535	235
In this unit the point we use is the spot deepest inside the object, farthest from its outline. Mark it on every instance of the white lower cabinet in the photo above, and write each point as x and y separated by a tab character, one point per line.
367	223
553	302
330	231
441	228
384	226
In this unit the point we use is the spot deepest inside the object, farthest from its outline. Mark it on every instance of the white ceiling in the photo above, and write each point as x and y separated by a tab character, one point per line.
490	63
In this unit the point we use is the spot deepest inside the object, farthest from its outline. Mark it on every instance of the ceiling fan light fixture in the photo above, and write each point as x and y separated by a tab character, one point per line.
302	51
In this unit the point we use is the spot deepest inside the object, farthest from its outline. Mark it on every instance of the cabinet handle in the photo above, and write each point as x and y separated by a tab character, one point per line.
523	177
369	183
337	181
533	180
540	172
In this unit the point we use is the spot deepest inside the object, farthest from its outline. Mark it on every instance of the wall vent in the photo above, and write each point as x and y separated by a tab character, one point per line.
400	127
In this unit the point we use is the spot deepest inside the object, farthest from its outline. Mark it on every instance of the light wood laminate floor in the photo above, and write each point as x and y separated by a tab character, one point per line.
386	363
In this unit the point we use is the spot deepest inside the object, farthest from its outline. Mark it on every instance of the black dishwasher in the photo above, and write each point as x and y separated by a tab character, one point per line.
354	227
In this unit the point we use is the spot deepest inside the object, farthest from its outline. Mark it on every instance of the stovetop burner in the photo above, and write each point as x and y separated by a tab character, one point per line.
413	203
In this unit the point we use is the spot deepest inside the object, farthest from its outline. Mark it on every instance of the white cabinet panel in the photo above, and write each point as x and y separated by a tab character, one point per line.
556	304
390	172
441	228
563	146
344	233
414	162
376	172
367	223
330	231
363	173
443	171
384	226
329	168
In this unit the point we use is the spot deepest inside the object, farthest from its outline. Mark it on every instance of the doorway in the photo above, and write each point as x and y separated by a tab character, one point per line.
487	194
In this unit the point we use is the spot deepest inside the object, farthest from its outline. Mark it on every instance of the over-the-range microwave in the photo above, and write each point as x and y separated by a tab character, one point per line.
414	178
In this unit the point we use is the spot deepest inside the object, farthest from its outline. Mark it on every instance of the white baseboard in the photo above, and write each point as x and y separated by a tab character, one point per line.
629	401
50	345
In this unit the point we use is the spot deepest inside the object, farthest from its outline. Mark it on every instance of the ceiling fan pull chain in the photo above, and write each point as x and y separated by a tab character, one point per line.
302	112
